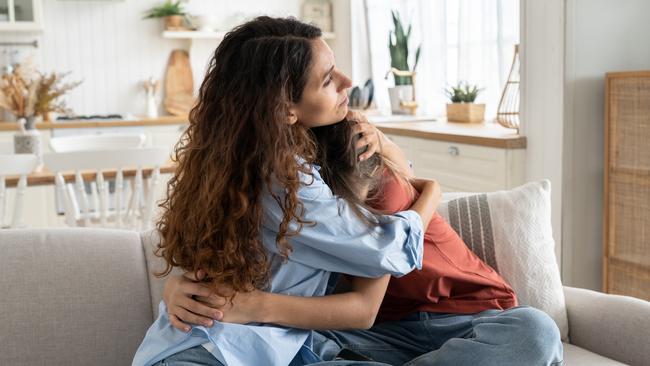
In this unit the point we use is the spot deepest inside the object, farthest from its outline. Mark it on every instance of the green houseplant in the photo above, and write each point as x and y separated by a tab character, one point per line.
462	107
171	11
398	45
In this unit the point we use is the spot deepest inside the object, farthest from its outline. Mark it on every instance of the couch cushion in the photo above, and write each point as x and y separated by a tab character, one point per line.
574	356
511	231
155	264
72	297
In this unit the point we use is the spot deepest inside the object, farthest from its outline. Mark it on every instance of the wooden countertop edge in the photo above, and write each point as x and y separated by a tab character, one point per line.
518	142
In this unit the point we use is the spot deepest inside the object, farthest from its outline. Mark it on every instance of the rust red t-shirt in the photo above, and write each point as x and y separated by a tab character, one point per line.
452	279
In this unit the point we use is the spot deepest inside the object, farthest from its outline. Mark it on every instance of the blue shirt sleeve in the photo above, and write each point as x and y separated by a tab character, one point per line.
340	241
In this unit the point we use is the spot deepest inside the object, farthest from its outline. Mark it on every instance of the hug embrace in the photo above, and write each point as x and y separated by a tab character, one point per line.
305	238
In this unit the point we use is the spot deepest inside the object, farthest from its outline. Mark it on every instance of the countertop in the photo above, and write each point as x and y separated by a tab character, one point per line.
484	134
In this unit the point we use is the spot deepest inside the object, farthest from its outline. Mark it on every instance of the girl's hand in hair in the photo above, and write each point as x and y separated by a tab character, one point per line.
183	309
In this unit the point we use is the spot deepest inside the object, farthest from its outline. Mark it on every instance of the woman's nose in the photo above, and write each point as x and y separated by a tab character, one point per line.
345	82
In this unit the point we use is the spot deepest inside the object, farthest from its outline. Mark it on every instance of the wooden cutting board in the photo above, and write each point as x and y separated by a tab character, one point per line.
179	84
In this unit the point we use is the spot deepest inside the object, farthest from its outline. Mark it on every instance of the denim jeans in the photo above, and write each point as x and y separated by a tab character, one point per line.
196	356
517	336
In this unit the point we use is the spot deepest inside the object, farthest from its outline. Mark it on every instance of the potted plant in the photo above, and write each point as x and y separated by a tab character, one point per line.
27	94
462	107
398	44
18	96
173	13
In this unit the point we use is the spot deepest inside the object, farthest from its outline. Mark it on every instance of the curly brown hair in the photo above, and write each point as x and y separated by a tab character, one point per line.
238	142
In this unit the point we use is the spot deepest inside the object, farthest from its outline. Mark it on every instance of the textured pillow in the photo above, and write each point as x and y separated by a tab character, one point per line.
511	231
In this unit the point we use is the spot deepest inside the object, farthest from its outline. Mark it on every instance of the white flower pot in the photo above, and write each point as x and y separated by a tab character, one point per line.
398	94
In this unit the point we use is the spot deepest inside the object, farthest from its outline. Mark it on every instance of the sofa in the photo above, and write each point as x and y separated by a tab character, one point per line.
87	296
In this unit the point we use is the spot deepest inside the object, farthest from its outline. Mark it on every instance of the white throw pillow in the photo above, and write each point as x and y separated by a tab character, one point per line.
511	231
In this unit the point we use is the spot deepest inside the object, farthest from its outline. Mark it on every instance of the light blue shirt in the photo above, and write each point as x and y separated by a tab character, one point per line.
339	242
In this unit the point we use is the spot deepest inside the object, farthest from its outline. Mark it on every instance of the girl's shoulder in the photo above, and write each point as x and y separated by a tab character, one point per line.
394	194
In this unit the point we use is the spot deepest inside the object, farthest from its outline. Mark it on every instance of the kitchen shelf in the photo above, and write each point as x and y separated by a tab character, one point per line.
213	35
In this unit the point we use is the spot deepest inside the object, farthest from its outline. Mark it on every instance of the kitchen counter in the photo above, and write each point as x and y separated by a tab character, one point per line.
483	134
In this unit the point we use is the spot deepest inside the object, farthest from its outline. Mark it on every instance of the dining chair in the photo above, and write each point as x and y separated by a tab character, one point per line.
143	166
15	165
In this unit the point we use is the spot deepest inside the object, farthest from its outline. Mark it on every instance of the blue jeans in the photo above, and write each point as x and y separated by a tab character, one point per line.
517	336
190	357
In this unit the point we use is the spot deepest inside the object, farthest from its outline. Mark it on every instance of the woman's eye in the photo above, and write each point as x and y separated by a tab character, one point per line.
329	80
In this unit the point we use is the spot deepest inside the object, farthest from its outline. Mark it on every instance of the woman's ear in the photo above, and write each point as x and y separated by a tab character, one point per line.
292	116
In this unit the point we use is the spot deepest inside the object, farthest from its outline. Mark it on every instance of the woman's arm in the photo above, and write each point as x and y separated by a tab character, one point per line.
355	309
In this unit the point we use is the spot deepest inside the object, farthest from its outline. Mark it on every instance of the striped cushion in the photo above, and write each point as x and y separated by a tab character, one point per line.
511	231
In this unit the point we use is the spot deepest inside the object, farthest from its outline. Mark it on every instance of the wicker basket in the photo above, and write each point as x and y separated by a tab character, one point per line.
465	112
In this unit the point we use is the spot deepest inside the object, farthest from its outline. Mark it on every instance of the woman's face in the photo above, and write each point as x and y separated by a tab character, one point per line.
324	100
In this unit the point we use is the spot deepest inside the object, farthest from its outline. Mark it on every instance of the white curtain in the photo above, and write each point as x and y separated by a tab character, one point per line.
468	40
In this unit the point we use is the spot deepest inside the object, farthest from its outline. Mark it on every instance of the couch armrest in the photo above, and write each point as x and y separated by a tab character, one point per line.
611	325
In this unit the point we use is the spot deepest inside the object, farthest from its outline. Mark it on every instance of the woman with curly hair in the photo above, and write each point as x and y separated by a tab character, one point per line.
249	208
455	310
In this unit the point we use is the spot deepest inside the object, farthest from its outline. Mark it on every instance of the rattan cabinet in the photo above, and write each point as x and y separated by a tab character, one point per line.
626	201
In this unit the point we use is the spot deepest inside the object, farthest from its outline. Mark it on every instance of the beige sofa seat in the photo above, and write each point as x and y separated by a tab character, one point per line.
87	297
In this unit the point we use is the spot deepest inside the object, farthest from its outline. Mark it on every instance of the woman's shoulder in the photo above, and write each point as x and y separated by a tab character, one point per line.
311	185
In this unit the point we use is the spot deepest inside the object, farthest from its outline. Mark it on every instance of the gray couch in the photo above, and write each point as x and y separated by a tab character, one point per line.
87	296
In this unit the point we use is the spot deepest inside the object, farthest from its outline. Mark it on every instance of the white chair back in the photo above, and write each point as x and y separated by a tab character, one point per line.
15	164
95	164
114	141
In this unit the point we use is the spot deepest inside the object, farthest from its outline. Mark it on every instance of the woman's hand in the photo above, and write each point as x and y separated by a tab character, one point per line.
371	136
246	307
427	202
182	308
378	142
422	184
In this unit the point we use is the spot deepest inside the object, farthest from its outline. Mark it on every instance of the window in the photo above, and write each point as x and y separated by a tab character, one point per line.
461	40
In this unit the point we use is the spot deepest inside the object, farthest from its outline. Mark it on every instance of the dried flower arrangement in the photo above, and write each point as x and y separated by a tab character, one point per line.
18	91
27	93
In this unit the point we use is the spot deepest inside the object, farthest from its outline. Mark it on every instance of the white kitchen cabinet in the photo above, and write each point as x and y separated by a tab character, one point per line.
464	167
21	15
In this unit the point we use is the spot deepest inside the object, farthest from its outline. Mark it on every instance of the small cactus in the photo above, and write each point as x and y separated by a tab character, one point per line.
399	49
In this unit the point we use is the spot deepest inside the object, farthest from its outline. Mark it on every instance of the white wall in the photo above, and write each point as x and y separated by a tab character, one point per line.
112	49
542	79
601	36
